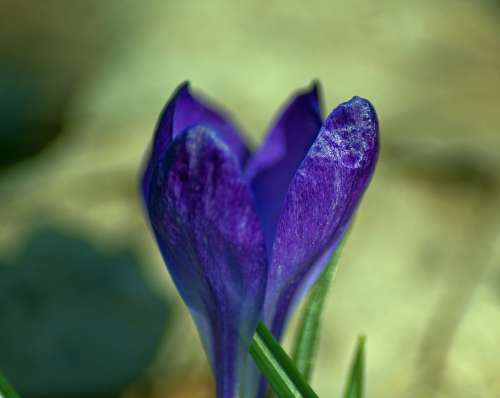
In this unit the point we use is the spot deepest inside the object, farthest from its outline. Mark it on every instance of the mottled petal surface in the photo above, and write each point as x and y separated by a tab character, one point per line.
273	166
320	203
202	214
185	110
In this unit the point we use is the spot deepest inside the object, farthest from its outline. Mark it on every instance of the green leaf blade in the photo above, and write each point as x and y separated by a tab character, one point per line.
277	367
6	390
306	342
355	384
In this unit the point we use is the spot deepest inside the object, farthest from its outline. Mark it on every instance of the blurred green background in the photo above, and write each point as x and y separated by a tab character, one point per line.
87	308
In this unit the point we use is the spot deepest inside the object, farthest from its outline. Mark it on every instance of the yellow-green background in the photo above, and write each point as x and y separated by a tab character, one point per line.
420	275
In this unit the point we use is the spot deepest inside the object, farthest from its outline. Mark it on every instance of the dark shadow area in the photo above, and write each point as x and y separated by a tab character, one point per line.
31	115
76	321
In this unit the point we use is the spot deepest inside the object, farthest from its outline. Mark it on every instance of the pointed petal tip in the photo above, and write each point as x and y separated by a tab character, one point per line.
362	106
191	108
360	102
311	91
313	95
305	98
353	128
182	89
185	85
315	86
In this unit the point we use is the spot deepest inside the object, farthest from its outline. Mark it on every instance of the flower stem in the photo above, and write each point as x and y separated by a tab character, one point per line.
277	366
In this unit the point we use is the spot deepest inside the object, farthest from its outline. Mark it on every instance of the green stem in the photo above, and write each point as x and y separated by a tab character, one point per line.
6	391
277	366
306	342
355	386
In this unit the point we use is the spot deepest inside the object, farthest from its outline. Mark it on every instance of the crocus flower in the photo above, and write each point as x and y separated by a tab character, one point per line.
245	235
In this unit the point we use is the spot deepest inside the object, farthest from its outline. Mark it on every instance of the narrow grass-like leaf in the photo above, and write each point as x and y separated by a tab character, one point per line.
306	342
355	384
6	391
277	367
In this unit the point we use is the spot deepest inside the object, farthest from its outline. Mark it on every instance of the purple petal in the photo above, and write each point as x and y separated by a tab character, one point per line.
320	203
182	111
273	166
204	220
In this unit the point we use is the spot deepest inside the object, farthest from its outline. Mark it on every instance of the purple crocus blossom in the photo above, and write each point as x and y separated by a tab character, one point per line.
245	235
